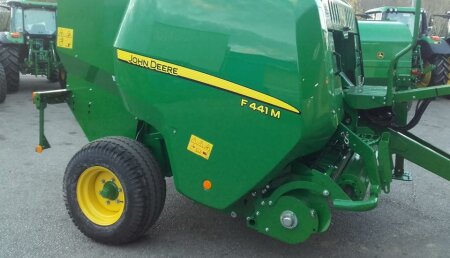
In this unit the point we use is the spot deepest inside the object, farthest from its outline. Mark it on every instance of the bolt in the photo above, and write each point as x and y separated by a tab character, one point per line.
254	194
108	202
263	191
248	218
313	213
258	213
174	131
103	181
326	193
120	190
263	203
118	201
112	179
233	214
270	203
267	186
288	219
267	229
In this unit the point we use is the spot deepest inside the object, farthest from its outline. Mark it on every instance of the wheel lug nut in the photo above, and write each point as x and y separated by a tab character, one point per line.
103	181
108	202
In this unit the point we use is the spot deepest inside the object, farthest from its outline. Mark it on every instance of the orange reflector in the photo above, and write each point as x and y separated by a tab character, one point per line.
207	185
15	35
436	38
39	149
33	96
415	72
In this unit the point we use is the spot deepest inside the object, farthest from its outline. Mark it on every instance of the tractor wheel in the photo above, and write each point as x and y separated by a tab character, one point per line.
9	58
114	190
425	79
3	86
440	74
53	76
62	78
448	97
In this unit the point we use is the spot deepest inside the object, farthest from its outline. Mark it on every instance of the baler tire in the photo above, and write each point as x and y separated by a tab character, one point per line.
441	72
3	84
140	177
9	58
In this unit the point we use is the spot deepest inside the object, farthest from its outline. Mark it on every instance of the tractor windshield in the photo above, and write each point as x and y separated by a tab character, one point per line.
406	18
39	22
5	18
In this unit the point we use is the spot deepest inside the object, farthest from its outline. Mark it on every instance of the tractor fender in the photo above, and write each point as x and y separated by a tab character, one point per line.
4	38
430	49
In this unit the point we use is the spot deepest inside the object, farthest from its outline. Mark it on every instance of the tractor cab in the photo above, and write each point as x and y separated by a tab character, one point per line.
405	15
19	19
28	40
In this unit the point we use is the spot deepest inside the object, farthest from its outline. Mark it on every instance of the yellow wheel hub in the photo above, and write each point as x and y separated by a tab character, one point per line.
425	80
449	71
100	196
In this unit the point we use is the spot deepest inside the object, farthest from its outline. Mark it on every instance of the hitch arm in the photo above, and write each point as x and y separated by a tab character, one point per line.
41	100
421	153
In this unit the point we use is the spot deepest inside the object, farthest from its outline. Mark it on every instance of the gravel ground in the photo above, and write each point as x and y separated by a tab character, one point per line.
412	221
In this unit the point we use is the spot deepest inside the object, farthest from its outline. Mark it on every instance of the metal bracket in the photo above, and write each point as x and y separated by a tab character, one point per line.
41	100
405	176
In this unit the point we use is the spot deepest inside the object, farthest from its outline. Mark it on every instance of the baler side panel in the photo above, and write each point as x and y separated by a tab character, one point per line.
95	99
255	45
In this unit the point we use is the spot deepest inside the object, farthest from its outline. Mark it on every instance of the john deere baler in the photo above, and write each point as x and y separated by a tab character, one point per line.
256	109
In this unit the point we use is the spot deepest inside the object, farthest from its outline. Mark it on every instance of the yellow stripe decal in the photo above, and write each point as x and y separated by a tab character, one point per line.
180	71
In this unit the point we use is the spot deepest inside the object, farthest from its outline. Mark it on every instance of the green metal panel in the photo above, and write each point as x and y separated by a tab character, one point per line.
381	41
95	99
269	53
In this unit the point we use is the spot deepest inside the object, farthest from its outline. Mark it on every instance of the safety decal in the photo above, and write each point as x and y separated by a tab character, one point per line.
200	147
65	38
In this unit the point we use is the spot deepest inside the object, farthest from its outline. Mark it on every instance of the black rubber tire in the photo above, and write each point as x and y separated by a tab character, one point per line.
54	76
441	71
9	58
3	85
142	181
62	78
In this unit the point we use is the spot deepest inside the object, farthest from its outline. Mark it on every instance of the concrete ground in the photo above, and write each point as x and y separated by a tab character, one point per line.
412	221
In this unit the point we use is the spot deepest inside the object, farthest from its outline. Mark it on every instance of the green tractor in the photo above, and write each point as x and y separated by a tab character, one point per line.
257	109
28	41
386	31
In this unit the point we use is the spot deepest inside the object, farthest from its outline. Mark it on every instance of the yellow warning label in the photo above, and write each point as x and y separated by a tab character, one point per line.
200	147
65	38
